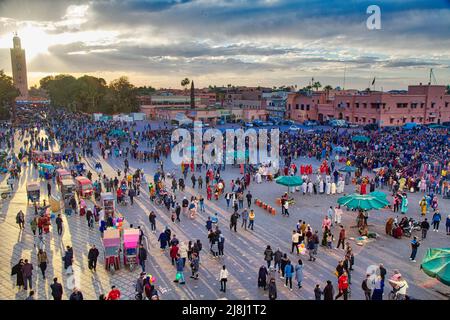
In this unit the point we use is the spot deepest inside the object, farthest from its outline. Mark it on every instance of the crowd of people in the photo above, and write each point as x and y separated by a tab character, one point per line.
393	160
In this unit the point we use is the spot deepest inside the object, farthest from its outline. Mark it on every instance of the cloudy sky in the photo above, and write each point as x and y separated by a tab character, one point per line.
255	42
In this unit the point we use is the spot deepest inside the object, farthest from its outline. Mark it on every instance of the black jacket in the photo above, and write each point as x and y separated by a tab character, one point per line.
57	290
328	292
142	254
93	254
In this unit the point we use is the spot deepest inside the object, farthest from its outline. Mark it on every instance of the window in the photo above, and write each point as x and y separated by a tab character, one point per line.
357	105
432	104
289	106
302	107
348	104
364	119
365	105
307	107
356	119
446	104
422	105
391	121
402	105
413	105
384	105
296	106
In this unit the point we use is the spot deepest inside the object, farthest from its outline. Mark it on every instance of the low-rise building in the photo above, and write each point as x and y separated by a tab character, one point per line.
421	104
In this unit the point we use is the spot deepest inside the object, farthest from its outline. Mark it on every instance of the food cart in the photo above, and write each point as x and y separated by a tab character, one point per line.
130	247
62	174
108	204
46	171
83	187
111	245
33	191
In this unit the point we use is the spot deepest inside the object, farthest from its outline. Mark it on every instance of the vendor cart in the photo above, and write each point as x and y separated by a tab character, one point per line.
108	204
62	174
111	245
130	247
84	187
33	191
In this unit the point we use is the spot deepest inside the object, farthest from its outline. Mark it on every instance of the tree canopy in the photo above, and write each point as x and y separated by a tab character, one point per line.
92	94
8	93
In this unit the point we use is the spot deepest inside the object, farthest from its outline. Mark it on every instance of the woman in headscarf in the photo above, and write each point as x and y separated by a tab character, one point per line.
272	289
17	270
262	277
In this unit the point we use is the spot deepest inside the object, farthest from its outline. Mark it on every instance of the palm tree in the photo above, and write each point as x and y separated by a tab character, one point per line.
316	85
185	82
327	89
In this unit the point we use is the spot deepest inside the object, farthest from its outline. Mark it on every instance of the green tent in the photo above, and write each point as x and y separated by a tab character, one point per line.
117	133
347	169
437	126
360	139
289	181
436	264
379	194
363	202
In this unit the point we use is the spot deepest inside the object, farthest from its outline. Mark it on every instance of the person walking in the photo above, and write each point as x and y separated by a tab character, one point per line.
249	197
262	277
59	224
20	219
272	289
328	291
318	293
17	270
152	219
343	286
268	256
366	289
414	246
233	221
142	256
341	238
424	226
251	219
195	265
76	295
447	224
436	220
34	225
223	277
68	257
295	241
92	258
49	189
299	273
221	244
57	289
114	294
288	273
42	260
27	272
244	216
179	278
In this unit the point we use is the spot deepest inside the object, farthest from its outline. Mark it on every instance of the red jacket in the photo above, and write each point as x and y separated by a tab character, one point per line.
343	282
114	294
342	234
173	251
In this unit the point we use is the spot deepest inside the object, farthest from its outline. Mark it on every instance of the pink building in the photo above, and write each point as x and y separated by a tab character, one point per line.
421	104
